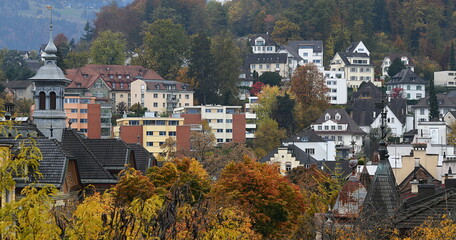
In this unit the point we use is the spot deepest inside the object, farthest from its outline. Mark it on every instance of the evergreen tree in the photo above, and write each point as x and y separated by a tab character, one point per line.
283	115
452	57
89	32
396	66
433	102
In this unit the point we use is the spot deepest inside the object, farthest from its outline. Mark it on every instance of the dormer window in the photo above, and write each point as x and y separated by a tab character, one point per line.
121	85
78	85
337	116
259	42
113	85
327	116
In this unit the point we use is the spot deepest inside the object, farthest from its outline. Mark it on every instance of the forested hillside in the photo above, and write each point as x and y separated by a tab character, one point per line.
423	28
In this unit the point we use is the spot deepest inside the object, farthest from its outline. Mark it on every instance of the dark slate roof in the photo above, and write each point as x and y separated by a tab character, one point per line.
418	173
22	130
352	127
352	47
267	38
292	51
345	55
90	168
113	154
363	110
444	101
316	44
382	199
18	84
296	152
266	58
399	107
367	90
330	167
163	85
52	166
432	207
305	136
406	76
393	56
143	158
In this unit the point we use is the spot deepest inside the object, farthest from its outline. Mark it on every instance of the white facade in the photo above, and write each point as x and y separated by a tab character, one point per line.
359	69
219	118
392	121
445	78
325	150
410	91
250	118
333	131
431	132
260	46
360	48
337	85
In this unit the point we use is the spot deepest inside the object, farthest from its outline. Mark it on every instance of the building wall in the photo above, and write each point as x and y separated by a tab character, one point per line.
337	85
428	161
119	97
129	134
183	138
411	91
445	78
239	123
94	121
318	150
281	68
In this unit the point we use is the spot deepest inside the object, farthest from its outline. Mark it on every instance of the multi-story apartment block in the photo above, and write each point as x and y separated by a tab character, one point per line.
388	60
268	62
303	52
150	132
445	78
88	115
337	85
262	43
228	123
108	81
411	85
250	118
356	65
161	96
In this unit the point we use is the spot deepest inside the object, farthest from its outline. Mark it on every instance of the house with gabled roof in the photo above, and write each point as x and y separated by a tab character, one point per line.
262	43
396	117
21	89
314	145
303	52
336	125
413	87
268	62
357	47
388	60
447	103
289	157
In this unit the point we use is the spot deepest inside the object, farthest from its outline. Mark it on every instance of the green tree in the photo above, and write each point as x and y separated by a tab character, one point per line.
270	78
267	136
201	68
14	67
283	113
452	57
89	32
227	61
77	59
138	109
108	48
165	47
396	66
285	30
434	113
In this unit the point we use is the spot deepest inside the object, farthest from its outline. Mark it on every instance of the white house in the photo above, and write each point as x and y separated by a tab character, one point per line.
421	109
262	43
397	123
434	132
411	85
358	47
337	85
304	52
338	126
268	62
314	145
388	60
445	78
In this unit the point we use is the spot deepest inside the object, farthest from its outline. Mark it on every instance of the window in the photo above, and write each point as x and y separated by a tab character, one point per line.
316	61
155	104
310	151
219	130
53	100
326	127
219	120
172	133
208	110
319	127
160	122
339	127
353	78
229	130
121	84
133	123
187	96
408	87
150	144
421	111
162	133
333	128
229	140
113	85
418	95
277	65
229	121
288	166
339	138
155	95
83	111
74	110
173	123
352	69
83	130
83	120
268	66
260	66
220	110
149	133
253	66
418	87
219	140
73	120
305	54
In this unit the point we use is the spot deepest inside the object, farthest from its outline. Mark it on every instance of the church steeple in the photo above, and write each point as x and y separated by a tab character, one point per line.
50	82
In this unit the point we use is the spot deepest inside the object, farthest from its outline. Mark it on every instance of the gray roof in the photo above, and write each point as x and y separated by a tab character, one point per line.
112	153
305	136
18	84
266	58
367	90
90	168
267	38
292	51
444	101
352	127
316	44
352	47
52	166
143	158
406	76
399	107
363	111
296	152
345	55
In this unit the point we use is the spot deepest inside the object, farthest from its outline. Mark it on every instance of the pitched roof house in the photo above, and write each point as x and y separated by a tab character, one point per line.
413	86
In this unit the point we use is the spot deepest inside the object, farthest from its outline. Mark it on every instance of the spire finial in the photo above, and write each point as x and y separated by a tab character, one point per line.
50	49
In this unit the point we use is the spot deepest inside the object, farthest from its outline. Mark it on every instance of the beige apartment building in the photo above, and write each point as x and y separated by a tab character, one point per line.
161	96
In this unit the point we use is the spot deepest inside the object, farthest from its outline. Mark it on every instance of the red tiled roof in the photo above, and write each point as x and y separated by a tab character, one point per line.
84	77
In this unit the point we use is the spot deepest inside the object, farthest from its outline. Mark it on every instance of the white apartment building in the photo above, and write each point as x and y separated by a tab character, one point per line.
304	52
413	87
337	85
445	78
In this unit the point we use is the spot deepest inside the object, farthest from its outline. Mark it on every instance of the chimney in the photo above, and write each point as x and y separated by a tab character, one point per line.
426	190
414	185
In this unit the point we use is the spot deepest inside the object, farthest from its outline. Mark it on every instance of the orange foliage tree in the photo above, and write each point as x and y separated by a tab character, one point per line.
272	202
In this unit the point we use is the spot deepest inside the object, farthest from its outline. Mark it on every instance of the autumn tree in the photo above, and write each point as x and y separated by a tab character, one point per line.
270	199
285	30
283	114
132	185
267	136
397	92
165	46
168	148
267	99
138	110
202	142
452	134
108	48
256	88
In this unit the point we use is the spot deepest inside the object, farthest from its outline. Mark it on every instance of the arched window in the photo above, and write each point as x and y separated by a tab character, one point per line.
42	101
53	99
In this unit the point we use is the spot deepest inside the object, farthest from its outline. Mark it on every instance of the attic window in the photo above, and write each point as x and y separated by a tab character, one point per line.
78	85
128	77
157	86
337	116
287	166
304	139
85	75
327	116
120	76
111	76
